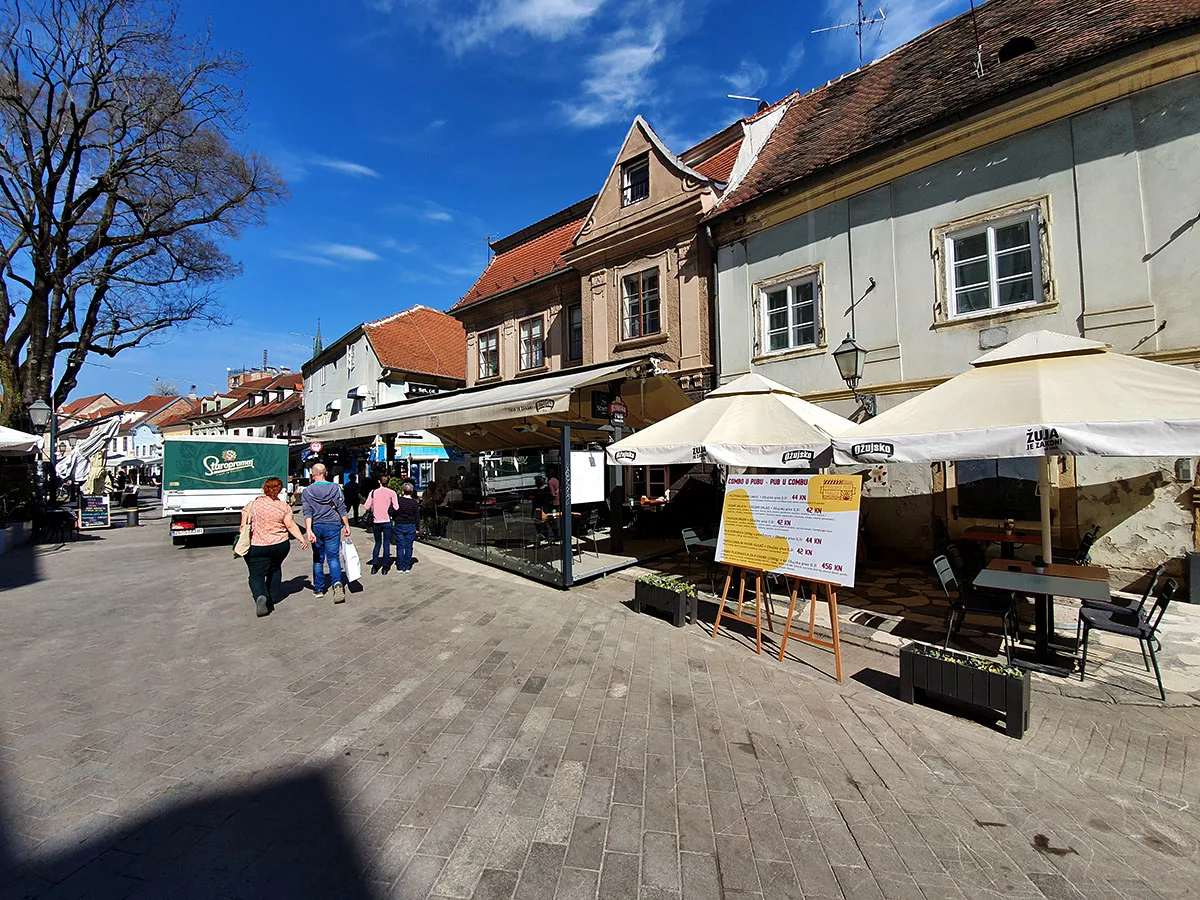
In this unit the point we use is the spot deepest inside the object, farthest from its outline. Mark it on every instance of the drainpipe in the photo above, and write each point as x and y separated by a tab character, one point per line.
714	316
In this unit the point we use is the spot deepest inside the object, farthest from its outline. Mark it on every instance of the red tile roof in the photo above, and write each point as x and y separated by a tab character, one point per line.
263	410
720	164
422	341
150	404
79	405
181	406
522	264
931	81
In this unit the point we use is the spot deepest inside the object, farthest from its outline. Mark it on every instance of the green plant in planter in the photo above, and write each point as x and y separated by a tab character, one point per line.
670	583
982	663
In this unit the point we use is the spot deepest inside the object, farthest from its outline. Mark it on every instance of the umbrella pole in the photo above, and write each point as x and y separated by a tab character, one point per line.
1044	496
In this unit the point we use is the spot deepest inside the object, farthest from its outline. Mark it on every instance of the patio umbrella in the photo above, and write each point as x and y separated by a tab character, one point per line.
752	421
13	441
1043	395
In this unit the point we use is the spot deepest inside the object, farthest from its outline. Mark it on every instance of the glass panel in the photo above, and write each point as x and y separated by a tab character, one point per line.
777	300
651	319
1011	236
1014	262
1019	290
972	247
804	292
778	339
970	274
971	301
998	489
650	282
803	315
575	332
777	319
803	335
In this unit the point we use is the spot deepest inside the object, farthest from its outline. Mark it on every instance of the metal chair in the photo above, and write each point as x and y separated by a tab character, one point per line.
1131	624
591	524
1083	553
969	600
1105	606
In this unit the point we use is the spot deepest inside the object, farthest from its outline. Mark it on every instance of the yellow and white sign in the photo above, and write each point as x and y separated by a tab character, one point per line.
797	525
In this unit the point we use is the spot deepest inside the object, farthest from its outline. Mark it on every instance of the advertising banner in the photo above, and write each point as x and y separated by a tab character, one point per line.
216	464
802	525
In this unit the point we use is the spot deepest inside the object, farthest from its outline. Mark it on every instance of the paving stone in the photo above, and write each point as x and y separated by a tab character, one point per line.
539	877
660	860
586	849
619	875
495	884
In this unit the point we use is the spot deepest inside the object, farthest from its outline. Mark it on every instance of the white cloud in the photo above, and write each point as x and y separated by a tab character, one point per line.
438	215
346	167
791	65
348	252
327	253
748	78
546	19
618	79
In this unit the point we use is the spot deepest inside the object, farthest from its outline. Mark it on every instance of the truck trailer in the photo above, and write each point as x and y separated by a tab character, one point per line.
207	479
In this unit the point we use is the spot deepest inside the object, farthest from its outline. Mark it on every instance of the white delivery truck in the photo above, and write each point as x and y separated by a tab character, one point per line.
207	479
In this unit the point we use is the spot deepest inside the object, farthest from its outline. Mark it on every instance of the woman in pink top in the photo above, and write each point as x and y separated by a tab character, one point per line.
271	523
380	503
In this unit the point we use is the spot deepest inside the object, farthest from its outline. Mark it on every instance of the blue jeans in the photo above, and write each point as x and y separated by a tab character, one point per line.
405	534
383	536
326	548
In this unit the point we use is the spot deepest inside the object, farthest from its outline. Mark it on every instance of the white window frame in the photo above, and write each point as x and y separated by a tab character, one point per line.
994	280
627	170
764	319
485	350
627	317
527	359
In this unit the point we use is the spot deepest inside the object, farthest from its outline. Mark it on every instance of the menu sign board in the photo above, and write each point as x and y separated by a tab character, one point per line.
93	512
802	525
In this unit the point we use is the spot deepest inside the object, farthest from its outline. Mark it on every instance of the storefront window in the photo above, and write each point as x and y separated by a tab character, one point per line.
998	488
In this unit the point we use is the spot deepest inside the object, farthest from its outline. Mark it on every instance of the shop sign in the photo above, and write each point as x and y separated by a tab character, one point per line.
617	411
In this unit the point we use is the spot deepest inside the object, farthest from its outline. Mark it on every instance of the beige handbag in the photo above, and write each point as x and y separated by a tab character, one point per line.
242	546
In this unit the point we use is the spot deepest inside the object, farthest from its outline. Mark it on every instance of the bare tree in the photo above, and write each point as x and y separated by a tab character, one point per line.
119	185
162	388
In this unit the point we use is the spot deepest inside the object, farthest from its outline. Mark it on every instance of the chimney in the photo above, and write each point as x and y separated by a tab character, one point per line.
192	393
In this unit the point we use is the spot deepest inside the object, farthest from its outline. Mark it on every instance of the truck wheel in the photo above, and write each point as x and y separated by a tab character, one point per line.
179	541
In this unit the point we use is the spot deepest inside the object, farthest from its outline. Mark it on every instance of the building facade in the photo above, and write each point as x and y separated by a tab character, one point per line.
1049	191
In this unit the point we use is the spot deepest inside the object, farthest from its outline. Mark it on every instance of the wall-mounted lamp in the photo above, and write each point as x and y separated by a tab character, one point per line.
851	359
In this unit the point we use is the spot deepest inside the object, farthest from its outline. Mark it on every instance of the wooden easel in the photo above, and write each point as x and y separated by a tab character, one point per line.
835	645
759	602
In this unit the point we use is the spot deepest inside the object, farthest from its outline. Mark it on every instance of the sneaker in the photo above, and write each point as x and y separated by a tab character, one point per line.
319	594
339	594
262	607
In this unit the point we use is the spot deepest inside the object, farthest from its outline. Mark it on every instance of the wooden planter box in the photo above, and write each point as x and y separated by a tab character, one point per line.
679	607
1006	694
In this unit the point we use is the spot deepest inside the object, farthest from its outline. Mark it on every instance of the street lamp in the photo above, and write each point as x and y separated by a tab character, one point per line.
42	416
850	359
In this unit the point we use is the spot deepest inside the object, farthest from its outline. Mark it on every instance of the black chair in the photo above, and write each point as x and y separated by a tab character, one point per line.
1083	553
1126	622
968	600
1106	606
590	525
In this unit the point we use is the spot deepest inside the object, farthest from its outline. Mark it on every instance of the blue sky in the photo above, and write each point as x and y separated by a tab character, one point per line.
409	131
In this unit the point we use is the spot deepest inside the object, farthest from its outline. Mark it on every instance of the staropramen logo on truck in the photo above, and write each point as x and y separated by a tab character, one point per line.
227	463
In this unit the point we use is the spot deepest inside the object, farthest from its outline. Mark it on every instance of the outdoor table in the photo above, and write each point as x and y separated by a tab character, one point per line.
1044	588
1060	570
1006	539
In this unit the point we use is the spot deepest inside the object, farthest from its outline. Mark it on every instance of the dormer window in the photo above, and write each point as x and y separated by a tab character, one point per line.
635	181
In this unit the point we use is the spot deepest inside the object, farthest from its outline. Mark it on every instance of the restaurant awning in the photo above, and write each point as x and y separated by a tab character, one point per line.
517	413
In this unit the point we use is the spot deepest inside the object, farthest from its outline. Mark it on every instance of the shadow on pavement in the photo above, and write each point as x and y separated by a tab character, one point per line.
19	566
285	839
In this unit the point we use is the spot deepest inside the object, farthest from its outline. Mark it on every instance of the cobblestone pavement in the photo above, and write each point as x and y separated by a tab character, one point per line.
459	732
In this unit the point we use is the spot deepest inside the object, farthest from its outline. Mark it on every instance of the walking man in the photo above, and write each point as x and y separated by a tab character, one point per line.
407	518
326	522
353	496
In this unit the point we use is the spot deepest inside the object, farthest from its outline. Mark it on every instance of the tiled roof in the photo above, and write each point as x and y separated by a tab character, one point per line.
180	406
422	341
149	404
77	406
525	262
931	81
262	410
719	165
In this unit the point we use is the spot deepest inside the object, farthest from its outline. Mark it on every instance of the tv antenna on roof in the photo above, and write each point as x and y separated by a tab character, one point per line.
858	25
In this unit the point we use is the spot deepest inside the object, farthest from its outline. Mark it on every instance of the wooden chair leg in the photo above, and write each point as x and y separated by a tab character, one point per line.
834	627
721	601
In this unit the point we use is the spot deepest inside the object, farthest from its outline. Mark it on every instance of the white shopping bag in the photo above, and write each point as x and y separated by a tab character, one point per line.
350	561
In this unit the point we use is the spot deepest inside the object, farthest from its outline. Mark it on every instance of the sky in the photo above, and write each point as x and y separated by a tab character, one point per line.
412	132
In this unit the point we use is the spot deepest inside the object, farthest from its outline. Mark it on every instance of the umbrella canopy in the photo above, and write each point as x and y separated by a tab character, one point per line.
1043	394
752	421
13	441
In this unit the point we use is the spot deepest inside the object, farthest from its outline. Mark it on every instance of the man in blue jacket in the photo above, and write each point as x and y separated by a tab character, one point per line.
326	521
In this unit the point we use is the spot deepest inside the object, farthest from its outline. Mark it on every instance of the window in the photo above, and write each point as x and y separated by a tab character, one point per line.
790	315
994	265
489	354
641	304
237	432
649	481
998	488
533	347
635	181
575	333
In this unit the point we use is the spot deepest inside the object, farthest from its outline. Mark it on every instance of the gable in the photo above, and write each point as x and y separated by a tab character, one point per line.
671	184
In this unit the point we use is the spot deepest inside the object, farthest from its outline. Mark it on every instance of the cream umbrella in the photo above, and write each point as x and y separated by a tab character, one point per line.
13	441
1043	395
752	421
